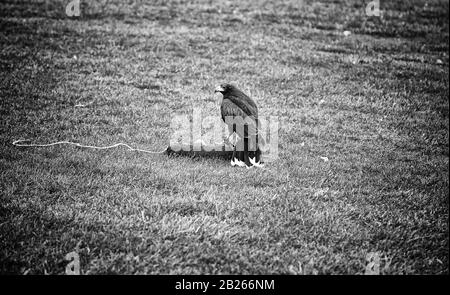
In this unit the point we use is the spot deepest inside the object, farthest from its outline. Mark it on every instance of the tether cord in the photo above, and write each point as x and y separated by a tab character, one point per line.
18	143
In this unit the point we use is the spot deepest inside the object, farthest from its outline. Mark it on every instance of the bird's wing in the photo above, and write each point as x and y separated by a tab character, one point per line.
244	102
232	114
229	108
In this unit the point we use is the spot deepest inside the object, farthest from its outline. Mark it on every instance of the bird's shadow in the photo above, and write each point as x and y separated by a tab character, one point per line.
222	151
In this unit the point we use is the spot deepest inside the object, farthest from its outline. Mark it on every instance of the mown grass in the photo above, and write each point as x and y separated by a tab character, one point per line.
375	103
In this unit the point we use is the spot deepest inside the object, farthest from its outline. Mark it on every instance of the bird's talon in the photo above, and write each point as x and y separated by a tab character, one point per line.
256	164
232	163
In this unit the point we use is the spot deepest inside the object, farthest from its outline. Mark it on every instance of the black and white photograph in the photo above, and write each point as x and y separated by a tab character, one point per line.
219	137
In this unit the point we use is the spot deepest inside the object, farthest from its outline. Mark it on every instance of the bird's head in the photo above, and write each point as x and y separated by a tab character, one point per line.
224	88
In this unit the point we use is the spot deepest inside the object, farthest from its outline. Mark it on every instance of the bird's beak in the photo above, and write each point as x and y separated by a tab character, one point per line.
219	89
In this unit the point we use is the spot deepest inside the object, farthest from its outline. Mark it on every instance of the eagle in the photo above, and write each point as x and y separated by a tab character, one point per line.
240	114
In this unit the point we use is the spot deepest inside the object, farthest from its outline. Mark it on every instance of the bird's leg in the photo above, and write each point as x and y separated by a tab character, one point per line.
245	153
246	149
240	158
239	154
256	160
258	156
234	137
233	157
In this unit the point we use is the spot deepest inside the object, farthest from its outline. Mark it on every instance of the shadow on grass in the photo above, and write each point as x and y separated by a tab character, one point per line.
207	153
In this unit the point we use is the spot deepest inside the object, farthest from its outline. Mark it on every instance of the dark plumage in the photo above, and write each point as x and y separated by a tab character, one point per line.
240	113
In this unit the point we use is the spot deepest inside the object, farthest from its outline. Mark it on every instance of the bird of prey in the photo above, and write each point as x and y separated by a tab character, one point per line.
240	113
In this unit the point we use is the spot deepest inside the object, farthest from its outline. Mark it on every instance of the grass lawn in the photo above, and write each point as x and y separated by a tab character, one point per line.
374	102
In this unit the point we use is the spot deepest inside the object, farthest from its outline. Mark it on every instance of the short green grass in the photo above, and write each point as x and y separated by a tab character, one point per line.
375	103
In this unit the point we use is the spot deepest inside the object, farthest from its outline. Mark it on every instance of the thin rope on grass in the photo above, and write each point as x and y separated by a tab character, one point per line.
131	149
